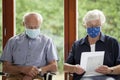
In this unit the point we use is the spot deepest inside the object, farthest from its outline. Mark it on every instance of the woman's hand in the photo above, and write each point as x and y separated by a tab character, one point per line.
104	69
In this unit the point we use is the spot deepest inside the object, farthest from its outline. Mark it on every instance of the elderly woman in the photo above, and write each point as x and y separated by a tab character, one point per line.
94	41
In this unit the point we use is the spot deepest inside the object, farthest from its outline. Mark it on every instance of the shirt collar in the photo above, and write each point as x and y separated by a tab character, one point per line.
102	37
26	36
85	40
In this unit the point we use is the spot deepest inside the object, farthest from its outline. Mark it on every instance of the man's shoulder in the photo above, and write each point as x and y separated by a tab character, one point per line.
19	36
44	36
14	38
45	39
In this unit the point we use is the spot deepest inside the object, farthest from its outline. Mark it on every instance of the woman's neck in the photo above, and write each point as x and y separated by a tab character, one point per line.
93	40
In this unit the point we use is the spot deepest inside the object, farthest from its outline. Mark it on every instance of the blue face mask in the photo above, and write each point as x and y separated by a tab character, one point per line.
93	31
32	33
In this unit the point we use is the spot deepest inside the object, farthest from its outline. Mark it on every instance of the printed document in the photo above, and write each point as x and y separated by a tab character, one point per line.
90	61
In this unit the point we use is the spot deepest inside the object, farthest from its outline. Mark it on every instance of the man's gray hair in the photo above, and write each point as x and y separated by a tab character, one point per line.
93	15
33	13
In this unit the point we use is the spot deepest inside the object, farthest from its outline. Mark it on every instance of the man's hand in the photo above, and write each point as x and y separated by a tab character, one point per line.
104	69
27	78
30	70
78	70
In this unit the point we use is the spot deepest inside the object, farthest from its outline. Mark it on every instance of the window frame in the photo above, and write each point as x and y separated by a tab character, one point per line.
7	21
70	28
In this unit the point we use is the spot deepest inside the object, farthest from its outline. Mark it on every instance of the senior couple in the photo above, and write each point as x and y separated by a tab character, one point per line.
30	53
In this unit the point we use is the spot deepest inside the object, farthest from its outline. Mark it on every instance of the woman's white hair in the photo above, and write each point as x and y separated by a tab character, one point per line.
33	13
93	15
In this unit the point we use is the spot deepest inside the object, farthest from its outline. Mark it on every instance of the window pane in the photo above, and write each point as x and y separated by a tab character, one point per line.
53	21
111	10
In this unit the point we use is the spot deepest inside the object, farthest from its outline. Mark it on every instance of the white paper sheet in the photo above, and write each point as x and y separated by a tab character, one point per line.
90	61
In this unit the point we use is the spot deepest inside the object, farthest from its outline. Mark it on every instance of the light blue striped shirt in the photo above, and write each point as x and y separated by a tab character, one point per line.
22	50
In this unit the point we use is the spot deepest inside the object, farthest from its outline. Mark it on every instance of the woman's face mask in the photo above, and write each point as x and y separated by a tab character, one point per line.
93	31
32	33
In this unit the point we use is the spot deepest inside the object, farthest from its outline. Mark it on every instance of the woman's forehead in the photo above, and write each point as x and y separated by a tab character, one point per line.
94	21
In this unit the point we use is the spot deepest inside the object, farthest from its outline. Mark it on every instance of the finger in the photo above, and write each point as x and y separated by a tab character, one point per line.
101	71
29	78
31	74
36	71
80	71
102	68
24	78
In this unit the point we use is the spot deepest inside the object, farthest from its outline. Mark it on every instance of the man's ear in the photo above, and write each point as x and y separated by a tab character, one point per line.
23	23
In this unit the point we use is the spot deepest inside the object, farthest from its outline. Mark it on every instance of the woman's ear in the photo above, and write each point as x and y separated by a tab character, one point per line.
85	26
101	25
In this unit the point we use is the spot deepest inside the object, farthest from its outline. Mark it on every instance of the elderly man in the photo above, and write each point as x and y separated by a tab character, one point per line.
29	53
94	41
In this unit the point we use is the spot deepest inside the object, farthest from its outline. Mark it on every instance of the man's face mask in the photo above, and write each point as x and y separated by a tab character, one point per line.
32	33
93	31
